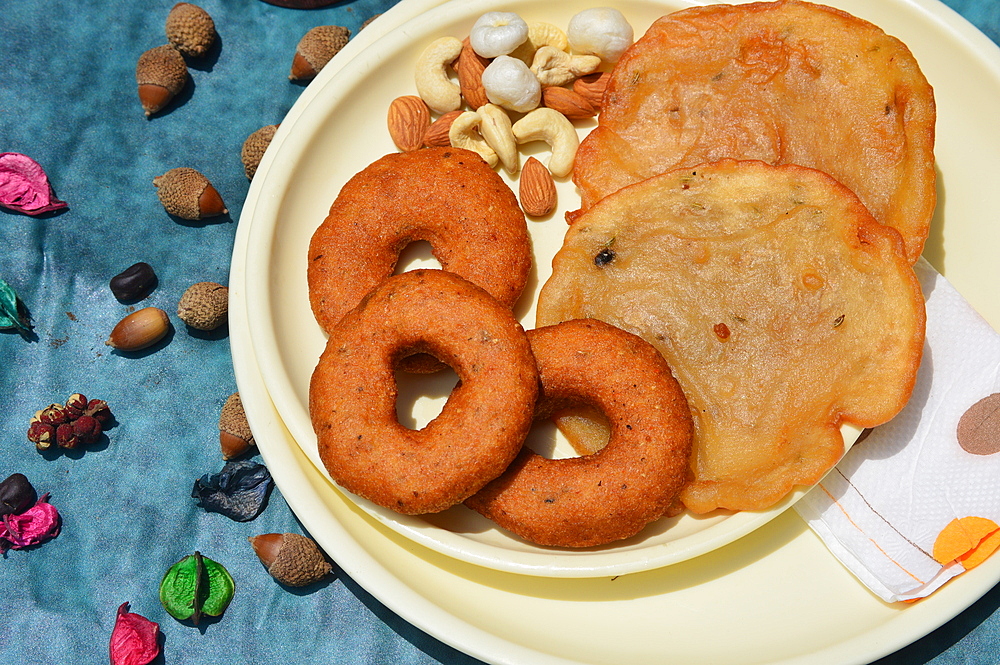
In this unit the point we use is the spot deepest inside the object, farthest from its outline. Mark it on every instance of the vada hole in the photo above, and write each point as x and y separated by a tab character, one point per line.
546	440
418	254
421	397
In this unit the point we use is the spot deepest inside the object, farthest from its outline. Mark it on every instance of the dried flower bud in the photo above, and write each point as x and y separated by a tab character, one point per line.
42	435
134	640
66	436
35	525
54	414
87	429
99	409
16	495
75	405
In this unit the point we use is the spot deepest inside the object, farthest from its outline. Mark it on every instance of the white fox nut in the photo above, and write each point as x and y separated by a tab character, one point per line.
509	83
497	33
600	31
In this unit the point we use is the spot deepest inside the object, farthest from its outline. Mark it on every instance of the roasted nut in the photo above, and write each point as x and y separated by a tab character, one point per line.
591	87
140	329
408	120
204	306
496	130
436	135
291	559
431	75
134	283
554	67
569	103
554	128
470	66
536	189
464	133
539	35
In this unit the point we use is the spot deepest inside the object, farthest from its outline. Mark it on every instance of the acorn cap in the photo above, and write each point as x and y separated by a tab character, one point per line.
254	147
316	48
190	29
204	306
291	559
188	194
160	74
235	437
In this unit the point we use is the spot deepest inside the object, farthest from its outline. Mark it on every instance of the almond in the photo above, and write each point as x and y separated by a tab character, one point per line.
571	104
436	135
537	190
470	66
591	87
408	120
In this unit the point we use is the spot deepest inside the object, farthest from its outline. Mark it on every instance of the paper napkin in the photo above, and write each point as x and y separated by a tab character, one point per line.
917	502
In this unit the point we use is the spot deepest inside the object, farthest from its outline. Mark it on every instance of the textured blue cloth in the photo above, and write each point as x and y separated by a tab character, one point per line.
68	99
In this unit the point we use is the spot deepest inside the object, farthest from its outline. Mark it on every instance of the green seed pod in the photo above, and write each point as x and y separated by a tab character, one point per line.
195	586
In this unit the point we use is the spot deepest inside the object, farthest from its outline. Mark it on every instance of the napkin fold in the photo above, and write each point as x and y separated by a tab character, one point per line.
917	501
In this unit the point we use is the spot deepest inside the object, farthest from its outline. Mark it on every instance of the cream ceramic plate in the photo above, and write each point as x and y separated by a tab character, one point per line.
776	595
334	131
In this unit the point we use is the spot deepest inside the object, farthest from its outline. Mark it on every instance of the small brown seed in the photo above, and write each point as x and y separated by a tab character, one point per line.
140	329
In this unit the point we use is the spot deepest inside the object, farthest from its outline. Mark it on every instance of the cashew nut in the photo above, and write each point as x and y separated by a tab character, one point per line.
545	124
497	33
554	67
509	83
439	92
539	35
601	31
463	134
497	131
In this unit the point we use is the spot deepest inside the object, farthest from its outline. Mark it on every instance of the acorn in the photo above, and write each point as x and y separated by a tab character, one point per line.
160	74
291	559
316	48
235	437
190	29
254	147
186	193
204	306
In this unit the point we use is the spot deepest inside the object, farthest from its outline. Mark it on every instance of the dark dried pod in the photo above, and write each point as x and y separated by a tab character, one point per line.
239	491
134	283
16	495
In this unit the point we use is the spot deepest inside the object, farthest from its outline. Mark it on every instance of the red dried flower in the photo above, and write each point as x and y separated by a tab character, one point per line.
134	640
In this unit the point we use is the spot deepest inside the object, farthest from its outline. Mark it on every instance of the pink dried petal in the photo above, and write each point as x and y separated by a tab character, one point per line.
24	186
135	639
35	525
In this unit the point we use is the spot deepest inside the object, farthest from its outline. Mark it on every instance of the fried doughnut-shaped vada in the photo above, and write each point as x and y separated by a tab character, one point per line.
783	82
447	197
352	395
612	494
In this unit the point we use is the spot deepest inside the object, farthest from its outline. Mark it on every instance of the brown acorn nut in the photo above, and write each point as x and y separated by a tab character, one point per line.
291	559
253	149
140	329
235	437
160	74
204	306
316	48
190	29
188	194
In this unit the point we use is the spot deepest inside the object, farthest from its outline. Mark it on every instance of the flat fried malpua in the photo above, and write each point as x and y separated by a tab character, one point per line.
784	309
783	82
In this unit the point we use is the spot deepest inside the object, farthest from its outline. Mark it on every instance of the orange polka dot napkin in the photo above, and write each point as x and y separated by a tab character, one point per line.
917	501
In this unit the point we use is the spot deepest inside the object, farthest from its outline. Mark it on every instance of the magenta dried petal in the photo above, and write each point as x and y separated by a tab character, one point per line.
35	525
135	639
24	186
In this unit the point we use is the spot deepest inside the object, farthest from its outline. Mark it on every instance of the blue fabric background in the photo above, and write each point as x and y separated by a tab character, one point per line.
68	99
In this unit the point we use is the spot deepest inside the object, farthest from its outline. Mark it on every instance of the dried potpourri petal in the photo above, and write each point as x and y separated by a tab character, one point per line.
195	586
239	491
35	525
24	187
134	640
13	313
